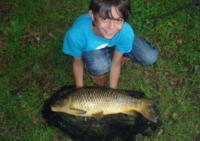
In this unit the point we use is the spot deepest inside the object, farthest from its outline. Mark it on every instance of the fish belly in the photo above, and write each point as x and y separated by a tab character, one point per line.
93	108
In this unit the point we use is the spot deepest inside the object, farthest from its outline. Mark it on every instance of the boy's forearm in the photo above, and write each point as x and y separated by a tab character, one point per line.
114	76
115	69
78	72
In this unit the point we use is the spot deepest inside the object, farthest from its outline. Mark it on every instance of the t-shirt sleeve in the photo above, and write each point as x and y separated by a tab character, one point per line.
72	43
125	39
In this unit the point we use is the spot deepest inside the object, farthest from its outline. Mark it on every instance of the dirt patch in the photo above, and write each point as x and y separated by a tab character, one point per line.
5	56
195	97
168	54
197	137
6	11
43	79
23	81
2	42
30	37
44	82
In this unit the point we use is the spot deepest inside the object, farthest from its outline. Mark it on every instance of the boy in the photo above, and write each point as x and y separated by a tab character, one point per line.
100	39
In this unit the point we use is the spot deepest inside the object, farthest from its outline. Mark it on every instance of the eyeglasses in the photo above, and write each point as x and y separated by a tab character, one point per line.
118	21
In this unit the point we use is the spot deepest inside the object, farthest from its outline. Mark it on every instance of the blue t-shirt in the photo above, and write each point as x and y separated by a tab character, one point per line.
80	38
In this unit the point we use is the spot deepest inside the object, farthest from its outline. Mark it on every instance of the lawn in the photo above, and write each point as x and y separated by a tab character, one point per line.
32	66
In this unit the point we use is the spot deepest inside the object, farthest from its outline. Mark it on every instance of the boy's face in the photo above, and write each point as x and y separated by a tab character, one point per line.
108	27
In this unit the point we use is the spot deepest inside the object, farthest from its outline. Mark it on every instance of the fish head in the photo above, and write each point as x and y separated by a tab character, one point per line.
61	105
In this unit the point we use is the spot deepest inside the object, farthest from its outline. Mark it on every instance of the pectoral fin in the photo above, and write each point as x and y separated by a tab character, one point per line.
77	111
98	115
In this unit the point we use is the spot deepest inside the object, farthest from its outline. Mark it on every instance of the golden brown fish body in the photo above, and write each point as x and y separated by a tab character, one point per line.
99	101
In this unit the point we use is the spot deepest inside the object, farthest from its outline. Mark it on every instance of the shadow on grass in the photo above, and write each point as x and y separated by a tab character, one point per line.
111	127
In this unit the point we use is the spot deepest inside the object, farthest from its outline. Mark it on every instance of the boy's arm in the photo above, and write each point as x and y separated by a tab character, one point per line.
115	69
78	72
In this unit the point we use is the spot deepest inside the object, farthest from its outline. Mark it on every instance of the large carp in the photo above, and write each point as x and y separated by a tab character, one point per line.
100	101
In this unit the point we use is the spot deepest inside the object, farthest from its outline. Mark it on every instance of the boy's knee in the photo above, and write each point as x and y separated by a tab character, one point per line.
97	62
98	70
150	58
98	67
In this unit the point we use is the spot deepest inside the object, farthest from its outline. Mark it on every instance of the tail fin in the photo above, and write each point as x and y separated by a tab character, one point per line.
147	110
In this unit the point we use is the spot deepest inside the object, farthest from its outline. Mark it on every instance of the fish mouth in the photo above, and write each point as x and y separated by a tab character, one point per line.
54	109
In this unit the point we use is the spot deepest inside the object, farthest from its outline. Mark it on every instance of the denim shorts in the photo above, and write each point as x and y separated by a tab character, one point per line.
99	61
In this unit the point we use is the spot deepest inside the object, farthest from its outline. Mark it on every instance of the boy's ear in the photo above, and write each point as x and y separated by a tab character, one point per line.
91	14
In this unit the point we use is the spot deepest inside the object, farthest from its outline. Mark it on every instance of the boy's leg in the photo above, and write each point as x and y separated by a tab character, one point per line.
143	52
97	63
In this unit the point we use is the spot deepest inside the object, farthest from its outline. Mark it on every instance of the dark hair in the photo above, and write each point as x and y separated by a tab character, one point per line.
103	7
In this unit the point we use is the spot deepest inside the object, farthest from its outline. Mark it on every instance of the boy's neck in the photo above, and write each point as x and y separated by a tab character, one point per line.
95	30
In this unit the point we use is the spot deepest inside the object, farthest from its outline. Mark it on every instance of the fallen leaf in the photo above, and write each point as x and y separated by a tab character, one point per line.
161	131
34	120
179	41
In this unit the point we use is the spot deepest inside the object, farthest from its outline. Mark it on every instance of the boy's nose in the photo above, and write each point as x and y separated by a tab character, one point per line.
111	24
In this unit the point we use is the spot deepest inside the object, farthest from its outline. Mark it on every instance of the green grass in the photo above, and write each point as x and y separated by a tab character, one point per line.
32	66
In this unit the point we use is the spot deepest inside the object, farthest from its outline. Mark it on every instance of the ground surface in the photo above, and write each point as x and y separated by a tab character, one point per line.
32	66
